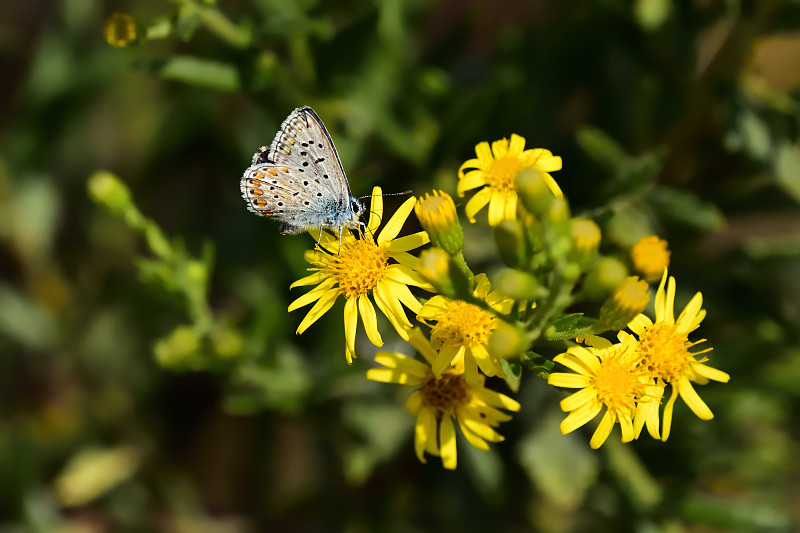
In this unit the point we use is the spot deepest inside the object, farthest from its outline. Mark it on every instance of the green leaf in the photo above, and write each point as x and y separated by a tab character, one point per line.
201	72
686	208
600	147
537	364
562	467
565	322
787	169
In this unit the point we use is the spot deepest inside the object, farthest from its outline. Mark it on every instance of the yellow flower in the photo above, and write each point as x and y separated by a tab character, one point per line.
608	375
650	256
586	239
664	349
438	401
460	331
380	266
496	169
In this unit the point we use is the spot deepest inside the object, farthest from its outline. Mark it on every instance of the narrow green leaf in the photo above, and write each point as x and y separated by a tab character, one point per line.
201	72
686	208
787	169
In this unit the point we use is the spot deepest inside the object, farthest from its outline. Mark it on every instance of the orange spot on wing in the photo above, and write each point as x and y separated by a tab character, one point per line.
257	192
272	172
285	170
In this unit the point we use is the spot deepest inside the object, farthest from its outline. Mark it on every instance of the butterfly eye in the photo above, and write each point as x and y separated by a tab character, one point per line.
355	206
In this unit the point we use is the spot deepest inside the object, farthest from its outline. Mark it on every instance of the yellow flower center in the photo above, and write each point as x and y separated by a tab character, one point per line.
617	384
502	172
447	393
463	325
665	352
358	268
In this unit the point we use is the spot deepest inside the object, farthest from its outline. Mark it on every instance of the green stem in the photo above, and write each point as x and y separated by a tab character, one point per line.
461	263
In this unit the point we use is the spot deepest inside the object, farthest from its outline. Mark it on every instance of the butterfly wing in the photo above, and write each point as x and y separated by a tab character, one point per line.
300	179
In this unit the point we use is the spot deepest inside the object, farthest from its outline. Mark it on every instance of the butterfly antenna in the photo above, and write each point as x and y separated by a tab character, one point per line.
386	194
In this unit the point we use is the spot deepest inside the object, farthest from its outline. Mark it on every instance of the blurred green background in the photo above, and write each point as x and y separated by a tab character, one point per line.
156	384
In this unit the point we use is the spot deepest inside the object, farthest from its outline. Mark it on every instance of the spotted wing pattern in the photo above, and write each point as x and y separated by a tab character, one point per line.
299	180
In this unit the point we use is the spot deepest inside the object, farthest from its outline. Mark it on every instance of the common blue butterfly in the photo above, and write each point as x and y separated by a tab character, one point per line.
299	179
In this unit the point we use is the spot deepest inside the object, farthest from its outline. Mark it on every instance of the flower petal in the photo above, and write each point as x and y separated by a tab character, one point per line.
471	180
425	433
375	211
447	442
500	148
313	295
395	224
474	164
402	293
668	413
477	202
313	279
626	425
579	417
391	307
322	306
711	373
445	357
484	154
578	399
350	326
693	400
687	321
603	430
569	381
516	145
497	206
422	345
474	440
404	363
367	312
496	399
392	375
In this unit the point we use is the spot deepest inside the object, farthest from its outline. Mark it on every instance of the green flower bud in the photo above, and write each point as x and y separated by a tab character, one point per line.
507	341
518	285
533	191
509	236
109	191
629	299
176	349
585	241
435	268
437	215
606	275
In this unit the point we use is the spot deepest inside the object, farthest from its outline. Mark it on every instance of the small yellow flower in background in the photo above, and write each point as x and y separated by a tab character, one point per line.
664	349
627	301
650	256
609	376
438	401
494	171
437	215
460	331
586	239
119	30
380	266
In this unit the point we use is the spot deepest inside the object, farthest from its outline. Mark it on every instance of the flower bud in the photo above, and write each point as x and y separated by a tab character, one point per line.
628	300
176	349
435	268
507	341
606	275
437	215
518	285
120	30
109	191
534	191
509	237
585	240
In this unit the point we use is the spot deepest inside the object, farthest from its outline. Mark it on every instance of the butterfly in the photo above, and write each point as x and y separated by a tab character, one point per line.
299	179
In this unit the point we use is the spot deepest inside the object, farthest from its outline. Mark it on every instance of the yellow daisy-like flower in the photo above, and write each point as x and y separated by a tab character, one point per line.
650	256
460	331
496	169
664	350
439	401
609	376
380	266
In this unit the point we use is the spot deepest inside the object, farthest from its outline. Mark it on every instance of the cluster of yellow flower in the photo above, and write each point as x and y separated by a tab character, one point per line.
474	332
